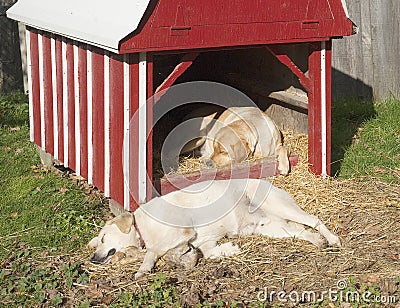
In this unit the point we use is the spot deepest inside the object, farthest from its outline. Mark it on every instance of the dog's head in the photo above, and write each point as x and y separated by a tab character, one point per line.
118	234
230	145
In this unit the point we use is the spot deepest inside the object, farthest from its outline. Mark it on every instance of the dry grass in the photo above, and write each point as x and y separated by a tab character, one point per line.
364	213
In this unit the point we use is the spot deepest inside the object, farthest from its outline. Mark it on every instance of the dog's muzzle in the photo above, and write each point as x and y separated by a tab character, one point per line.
101	259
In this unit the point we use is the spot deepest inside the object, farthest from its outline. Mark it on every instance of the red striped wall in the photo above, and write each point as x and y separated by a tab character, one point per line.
116	127
60	106
98	119
82	75
59	81
48	95
134	126
71	107
35	92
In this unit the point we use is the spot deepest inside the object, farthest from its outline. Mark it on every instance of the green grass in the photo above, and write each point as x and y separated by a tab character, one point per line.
41	215
44	209
347	116
368	138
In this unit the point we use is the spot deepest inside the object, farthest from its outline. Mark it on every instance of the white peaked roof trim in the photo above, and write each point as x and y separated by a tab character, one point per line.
345	8
97	22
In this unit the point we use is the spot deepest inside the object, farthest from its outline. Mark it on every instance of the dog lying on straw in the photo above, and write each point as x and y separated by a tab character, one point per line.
182	222
237	134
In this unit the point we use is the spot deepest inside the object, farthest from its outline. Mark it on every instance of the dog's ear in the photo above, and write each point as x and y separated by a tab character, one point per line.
124	222
93	242
240	150
247	148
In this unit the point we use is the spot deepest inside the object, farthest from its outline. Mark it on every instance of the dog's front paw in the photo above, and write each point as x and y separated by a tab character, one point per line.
139	275
334	240
283	170
117	257
319	241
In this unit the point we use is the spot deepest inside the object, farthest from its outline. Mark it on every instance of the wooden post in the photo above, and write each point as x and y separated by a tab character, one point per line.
149	110
319	108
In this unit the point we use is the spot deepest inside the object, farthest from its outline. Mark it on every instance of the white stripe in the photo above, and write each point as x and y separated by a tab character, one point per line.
142	151
30	90
41	93
77	111
323	109
90	115
65	100
126	165
344	5
106	125
55	104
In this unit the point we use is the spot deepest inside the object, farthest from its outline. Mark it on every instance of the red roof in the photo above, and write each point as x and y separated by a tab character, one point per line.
184	24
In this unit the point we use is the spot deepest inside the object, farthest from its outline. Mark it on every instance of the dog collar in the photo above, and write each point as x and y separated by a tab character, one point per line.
142	244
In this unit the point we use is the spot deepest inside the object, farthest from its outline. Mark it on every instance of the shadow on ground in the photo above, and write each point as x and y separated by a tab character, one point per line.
352	105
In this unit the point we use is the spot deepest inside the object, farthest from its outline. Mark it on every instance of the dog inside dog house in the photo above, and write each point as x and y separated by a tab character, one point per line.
98	72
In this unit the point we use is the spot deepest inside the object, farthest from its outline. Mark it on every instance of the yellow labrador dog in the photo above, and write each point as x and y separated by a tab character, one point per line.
197	217
239	133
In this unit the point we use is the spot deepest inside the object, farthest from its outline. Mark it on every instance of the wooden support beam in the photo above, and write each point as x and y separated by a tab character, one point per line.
149	128
319	108
284	59
186	62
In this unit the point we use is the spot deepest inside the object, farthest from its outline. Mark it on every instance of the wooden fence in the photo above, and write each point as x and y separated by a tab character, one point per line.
10	56
367	65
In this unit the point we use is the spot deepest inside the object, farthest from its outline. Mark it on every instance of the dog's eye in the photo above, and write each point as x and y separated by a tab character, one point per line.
222	150
102	239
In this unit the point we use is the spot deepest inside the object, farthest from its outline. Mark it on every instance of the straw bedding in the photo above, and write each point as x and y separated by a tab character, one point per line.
365	214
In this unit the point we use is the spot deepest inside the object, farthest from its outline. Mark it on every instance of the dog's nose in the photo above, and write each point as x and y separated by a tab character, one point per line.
96	260
111	252
209	163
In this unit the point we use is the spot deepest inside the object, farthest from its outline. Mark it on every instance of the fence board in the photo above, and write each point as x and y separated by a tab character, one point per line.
10	56
367	65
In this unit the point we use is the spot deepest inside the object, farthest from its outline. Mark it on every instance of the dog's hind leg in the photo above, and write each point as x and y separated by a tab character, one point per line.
283	229
299	216
289	210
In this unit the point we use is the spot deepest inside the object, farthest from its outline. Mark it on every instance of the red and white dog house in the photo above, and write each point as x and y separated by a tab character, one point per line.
90	68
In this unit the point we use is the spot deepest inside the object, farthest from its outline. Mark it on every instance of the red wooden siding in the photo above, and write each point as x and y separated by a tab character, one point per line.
133	128
71	107
47	95
116	128
98	119
149	132
83	123
35	95
64	89
60	108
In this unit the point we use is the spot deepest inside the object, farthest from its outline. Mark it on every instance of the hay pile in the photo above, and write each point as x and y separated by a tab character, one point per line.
364	213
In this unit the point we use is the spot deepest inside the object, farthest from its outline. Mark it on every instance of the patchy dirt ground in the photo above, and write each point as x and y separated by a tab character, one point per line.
365	214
